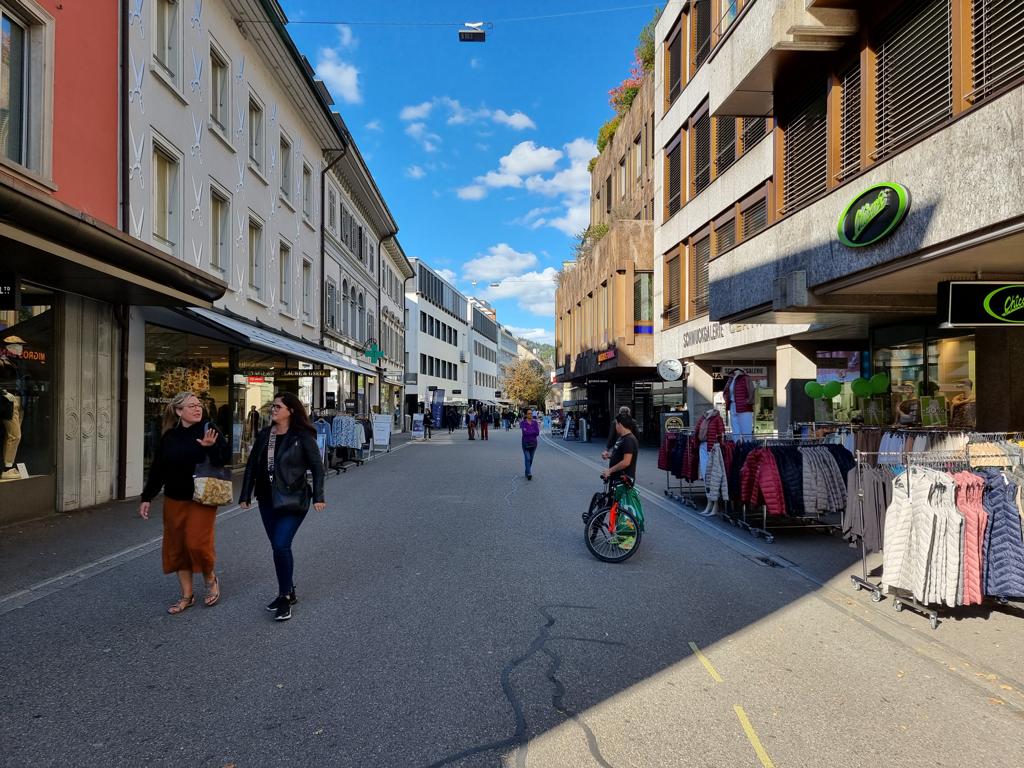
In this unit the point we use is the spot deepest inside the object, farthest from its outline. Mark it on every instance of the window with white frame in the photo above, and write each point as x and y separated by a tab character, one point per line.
220	96
220	230
255	133
285	152
307	191
284	280
167	45
166	213
307	291
332	298
14	89
344	307
332	213
256	257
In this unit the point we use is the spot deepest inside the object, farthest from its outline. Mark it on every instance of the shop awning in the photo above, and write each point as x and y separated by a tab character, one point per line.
276	342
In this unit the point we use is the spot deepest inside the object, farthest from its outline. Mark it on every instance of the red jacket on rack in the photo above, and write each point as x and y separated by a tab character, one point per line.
760	482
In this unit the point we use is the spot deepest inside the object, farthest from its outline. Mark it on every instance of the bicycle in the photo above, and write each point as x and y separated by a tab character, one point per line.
612	532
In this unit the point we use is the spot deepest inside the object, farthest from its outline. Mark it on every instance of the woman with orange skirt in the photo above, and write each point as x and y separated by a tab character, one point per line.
188	546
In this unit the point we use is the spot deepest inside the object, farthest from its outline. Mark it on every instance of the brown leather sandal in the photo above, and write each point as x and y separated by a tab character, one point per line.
212	594
182	605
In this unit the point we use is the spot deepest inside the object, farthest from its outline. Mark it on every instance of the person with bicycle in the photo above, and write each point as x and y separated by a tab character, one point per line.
625	451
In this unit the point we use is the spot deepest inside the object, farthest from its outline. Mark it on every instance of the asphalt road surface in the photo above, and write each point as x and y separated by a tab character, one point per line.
450	615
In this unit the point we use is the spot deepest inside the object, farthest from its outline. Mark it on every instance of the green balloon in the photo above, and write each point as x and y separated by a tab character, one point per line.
879	384
809	388
814	390
832	389
861	387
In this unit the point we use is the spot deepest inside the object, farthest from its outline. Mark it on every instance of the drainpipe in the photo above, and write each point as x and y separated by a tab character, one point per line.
122	312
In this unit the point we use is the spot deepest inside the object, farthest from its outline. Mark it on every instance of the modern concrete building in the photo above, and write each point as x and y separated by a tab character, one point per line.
826	167
482	353
604	303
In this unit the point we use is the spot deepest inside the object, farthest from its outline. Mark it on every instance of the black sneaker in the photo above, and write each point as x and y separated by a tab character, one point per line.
292	600
284	611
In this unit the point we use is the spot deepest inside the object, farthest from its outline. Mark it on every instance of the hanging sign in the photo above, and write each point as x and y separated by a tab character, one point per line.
873	215
10	292
608	354
980	303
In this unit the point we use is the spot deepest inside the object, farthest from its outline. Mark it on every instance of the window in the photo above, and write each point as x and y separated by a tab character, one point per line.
286	167
255	133
166	219
998	44
14	89
284	264
345	328
622	178
674	176
359	249
220	231
805	155
729	10
914	88
220	109
754	129
307	191
423	321
332	210
608	195
423	363
167	46
643	299
307	290
674	63
701	15
725	142
849	122
701	256
755	218
353	308
638	158
346	222
256	256
673	284
332	304
725	236
700	150
362	318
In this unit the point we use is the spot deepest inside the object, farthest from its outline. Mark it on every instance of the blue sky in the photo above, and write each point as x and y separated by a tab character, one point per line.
480	149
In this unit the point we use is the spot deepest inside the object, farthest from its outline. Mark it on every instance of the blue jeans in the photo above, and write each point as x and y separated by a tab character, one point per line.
528	452
281	529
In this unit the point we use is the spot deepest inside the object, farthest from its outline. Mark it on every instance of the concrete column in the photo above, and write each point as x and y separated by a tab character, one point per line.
136	429
699	390
793	369
1000	385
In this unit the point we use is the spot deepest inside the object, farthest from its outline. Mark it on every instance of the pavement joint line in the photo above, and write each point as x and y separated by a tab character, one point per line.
706	662
755	742
949	659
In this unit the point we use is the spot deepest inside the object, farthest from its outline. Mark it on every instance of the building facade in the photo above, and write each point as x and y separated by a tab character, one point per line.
483	353
807	201
395	272
69	276
604	316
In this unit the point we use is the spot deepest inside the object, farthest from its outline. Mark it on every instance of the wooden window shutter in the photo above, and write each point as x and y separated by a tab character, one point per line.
805	154
701	260
726	140
849	122
998	44
674	172
915	73
755	218
701	153
725	236
673	286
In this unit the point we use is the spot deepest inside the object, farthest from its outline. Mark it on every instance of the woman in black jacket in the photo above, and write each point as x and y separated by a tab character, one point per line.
276	471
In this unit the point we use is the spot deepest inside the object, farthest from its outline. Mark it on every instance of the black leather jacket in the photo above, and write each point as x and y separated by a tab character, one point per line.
295	452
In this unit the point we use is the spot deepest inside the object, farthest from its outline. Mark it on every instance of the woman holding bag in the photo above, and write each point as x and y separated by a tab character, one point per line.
188	525
276	472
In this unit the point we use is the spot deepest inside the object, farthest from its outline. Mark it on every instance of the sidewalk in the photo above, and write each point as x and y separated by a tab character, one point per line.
47	548
989	636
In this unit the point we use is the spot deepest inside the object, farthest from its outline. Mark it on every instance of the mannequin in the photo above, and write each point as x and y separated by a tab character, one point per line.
739	399
710	430
10	410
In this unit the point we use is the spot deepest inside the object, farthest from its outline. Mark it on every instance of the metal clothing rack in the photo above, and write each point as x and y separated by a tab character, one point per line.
685	492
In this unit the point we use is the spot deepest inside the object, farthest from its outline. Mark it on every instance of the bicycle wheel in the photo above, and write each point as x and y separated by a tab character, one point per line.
612	545
595	501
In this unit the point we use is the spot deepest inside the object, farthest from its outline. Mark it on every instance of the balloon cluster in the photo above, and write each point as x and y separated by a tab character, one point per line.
876	385
814	390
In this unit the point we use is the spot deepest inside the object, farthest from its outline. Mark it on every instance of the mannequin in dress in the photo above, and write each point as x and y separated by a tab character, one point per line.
739	399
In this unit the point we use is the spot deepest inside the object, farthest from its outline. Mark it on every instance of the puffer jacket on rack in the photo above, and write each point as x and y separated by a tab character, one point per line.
969	489
1004	549
668	443
823	482
716	481
791	472
741	451
760	482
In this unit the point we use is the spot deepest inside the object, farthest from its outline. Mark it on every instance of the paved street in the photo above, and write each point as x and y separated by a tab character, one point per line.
449	614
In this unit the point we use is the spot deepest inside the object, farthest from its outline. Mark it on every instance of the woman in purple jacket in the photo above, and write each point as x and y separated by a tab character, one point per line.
531	433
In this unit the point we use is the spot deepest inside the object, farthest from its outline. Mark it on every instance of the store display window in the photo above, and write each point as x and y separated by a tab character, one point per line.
26	387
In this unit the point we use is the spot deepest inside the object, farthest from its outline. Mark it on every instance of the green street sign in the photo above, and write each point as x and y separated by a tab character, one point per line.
873	215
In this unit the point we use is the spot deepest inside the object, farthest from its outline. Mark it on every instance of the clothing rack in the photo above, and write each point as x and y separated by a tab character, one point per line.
685	492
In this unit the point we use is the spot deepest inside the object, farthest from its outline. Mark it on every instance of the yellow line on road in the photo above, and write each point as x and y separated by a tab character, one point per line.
707	664
752	736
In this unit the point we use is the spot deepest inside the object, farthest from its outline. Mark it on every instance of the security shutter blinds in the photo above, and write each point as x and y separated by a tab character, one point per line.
849	122
672	291
701	258
701	31
675	67
726	139
755	218
754	129
701	153
725	236
998	44
915	73
675	186
805	174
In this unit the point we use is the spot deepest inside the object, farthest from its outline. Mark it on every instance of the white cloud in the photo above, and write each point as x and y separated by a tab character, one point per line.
497	179
576	218
483	147
527	158
340	77
517	120
474	63
417	111
448	275
499	263
345	36
415	172
472	192
428	140
540	335
534	292
534	218
374	125
460	115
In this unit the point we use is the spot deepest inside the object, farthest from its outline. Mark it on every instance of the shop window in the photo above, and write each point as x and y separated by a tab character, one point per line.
255	133
700	259
220	98
307	191
914	88
27	367
673	287
307	290
284	264
998	44
166	191
167	45
256	257
725	141
285	158
700	152
220	230
849	122
805	154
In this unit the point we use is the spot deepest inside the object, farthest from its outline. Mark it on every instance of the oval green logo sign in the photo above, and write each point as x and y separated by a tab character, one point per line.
1006	304
873	215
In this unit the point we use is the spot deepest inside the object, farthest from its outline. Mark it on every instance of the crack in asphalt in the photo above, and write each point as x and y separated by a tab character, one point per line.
518	739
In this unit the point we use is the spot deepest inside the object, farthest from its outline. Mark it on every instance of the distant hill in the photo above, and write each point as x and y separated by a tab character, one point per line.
545	352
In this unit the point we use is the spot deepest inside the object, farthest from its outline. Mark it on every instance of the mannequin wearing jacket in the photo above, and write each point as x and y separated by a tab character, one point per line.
11	411
739	399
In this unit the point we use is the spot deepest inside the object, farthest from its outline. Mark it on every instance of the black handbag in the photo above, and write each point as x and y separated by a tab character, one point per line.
290	501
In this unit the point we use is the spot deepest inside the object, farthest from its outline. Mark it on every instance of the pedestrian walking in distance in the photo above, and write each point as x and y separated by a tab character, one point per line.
485	421
531	434
188	526
428	423
276	471
471	423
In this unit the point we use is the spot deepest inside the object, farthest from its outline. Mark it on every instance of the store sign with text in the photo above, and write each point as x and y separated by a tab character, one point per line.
286	373
10	292
873	215
970	304
608	354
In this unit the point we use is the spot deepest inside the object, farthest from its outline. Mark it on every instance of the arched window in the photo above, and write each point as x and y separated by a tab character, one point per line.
344	309
362	318
353	329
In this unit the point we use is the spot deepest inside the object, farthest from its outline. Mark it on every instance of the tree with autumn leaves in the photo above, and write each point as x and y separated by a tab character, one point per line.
527	383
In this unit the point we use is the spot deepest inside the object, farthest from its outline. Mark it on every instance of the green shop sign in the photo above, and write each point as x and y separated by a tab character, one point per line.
981	303
873	215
